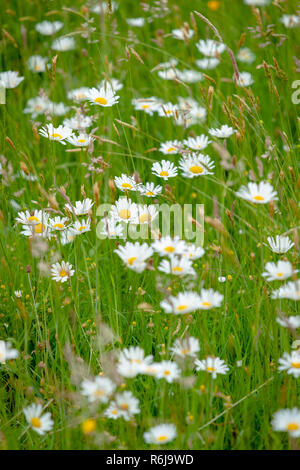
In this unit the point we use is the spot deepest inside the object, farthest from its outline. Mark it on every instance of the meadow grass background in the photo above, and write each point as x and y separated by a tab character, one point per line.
49	315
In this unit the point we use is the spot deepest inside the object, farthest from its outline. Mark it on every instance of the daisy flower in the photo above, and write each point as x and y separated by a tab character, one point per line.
179	266
61	272
32	218
198	143
290	21
150	190
164	169
57	109
160	434
193	252
149	105
78	94
257	3
280	244
63	44
168	110
128	404
245	79
80	227
58	223
60	133
132	361
289	322
110	228
260	193
81	208
66	237
291	290
38	422
136	22
126	183
207	63
167	246
113	411
290	363
182	34
168	74
18	293
210	48
40	229
37	63
287	420
189	76
223	132
135	255
186	347
196	164
98	389
146	214
102	97
78	122
36	106
170	147
10	79
168	370
47	28
124	211
245	55
184	302
82	140
6	351
278	271
213	365
210	299
103	7
112	83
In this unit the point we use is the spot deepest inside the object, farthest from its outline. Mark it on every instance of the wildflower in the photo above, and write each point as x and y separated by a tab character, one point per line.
290	21
210	48
177	266
37	63
111	228
81	208
289	322
78	94
102	97
48	28
103	7
291	290
196	164
38	422
210	299
182	34
125	183
164	169
189	76
127	403
160	434
63	44
198	143
32	218
213	365
150	190
36	106
82	140
287	420
224	132
170	147
80	227
112	83
168	74
245	55
6	351
78	122
168	110
278	271
136	22
18	293
98	389
167	246
290	363
60	133
207	63
10	79
61	272
260	193
132	361
149	105
58	223
124	211
244	79
113	412
168	370
184	302
186	347
193	252
146	214
135	255
88	426
280	244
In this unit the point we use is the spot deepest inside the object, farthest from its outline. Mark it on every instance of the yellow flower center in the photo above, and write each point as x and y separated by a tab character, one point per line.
35	422
101	100
172	149
182	307
88	426
58	226
296	365
258	198
63	273
144	218
177	269
131	260
292	427
162	438
167	372
145	106
196	169
126	185
124	214
114	412
83	227
210	369
81	141
56	136
149	193
164	173
32	218
125	407
279	274
169	249
98	393
185	351
213	5
206	304
39	228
